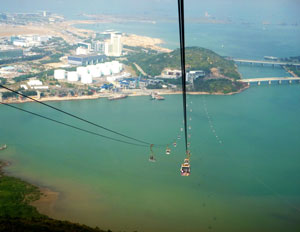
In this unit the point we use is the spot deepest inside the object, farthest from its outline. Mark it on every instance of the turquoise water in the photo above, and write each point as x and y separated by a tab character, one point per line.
257	71
245	147
238	40
249	182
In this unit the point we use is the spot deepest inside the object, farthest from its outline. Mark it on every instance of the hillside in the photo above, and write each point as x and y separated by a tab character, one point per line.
196	59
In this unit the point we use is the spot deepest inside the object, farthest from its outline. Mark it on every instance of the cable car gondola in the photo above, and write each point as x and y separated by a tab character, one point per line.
174	144
168	151
152	158
185	169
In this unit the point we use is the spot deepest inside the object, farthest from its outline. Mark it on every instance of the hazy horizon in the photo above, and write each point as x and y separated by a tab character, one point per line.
279	11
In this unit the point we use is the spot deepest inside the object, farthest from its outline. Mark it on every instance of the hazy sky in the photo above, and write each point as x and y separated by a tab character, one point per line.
272	10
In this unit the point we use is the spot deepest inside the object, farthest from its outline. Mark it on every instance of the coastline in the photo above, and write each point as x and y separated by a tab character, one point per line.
133	93
46	202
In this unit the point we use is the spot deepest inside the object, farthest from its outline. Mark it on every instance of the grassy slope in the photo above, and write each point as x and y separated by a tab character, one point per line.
196	58
16	213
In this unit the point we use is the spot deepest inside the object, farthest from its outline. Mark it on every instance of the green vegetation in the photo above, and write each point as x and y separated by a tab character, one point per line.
3	81
6	95
16	213
40	75
22	59
154	86
55	58
15	197
217	85
7	54
196	59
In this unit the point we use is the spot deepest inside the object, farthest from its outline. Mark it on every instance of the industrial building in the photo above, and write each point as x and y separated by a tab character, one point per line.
83	60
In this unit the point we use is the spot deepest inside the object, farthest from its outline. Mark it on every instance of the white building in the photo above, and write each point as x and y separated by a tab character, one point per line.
32	83
117	44
42	87
114	47
99	47
82	51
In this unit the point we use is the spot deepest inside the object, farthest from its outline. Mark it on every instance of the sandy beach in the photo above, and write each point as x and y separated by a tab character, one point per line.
46	203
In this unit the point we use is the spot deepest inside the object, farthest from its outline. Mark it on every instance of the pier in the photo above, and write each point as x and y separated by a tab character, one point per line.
265	62
271	80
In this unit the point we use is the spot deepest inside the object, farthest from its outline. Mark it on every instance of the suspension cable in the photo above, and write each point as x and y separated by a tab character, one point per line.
77	117
183	71
74	127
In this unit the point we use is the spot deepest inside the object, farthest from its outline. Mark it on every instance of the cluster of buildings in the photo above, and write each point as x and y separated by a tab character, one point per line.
29	40
23	18
34	84
175	74
87	74
110	47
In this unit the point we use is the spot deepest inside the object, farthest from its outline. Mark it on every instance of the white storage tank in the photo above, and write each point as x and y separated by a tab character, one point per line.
106	70
81	71
73	76
59	74
86	79
115	67
94	71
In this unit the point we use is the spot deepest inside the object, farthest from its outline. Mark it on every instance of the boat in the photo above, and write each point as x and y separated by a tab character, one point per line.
158	97
155	96
117	97
273	58
3	147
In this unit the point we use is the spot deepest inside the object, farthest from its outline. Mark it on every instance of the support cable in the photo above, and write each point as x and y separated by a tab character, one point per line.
77	117
74	127
183	71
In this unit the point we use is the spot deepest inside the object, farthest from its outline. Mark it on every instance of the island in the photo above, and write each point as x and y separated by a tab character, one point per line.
207	72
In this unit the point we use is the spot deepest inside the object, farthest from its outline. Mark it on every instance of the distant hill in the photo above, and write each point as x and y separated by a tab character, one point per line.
196	59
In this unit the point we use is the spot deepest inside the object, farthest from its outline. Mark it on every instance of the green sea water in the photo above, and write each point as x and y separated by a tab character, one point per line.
245	161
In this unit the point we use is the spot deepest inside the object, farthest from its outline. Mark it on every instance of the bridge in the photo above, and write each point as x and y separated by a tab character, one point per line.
265	62
271	80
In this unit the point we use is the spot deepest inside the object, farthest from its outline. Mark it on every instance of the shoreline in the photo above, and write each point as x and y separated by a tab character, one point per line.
46	202
129	94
